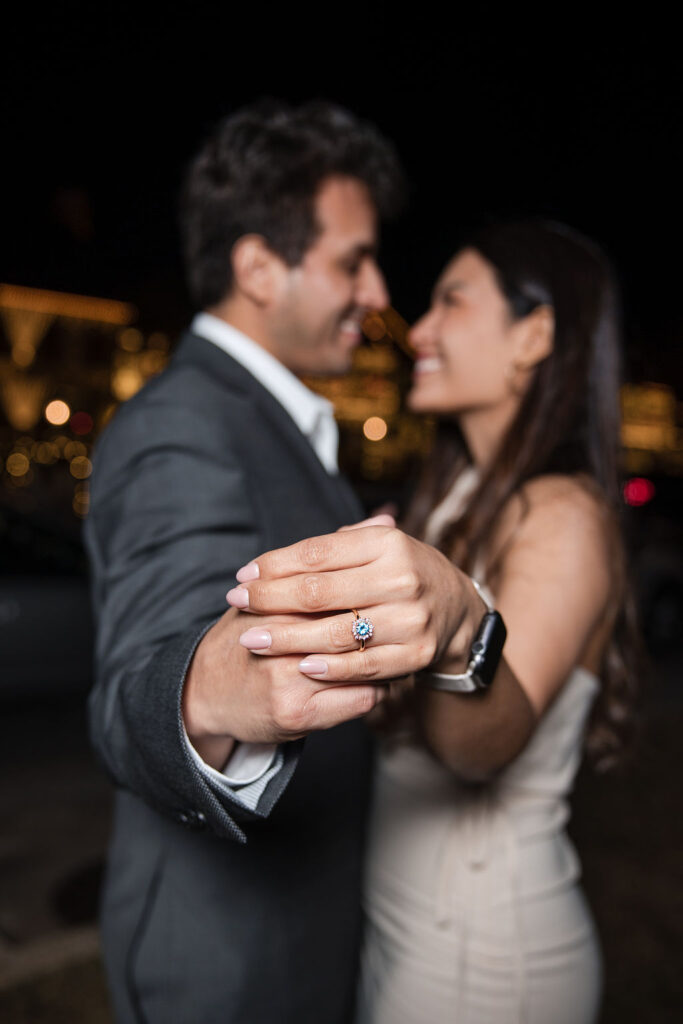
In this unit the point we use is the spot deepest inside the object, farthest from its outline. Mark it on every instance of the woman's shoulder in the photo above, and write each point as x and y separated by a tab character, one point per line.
555	511
555	500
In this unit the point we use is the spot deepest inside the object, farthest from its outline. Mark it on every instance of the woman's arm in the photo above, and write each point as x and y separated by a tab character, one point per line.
552	588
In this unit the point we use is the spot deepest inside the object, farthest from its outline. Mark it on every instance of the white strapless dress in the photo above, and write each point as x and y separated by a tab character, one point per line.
474	911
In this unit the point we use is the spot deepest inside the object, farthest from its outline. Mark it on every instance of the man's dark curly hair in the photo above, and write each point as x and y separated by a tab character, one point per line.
259	173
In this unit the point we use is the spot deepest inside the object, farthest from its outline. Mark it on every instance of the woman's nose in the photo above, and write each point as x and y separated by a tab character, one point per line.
421	333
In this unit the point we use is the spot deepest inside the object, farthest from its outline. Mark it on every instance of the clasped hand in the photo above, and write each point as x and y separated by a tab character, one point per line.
297	666
410	592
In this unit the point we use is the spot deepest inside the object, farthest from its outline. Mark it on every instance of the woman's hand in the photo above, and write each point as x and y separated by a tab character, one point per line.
415	598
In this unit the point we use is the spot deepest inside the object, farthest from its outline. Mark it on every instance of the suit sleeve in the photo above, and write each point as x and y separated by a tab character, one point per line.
171	521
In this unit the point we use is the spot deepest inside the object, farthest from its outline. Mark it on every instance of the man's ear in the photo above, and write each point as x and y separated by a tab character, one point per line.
535	336
257	270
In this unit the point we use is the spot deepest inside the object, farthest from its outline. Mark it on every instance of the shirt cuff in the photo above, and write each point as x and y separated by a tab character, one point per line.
248	762
247	772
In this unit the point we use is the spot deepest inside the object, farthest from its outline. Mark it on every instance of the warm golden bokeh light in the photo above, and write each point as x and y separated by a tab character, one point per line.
375	428
46	453
131	339
373	326
57	412
72	449
23	355
17	464
80	467
125	382
81	500
77	307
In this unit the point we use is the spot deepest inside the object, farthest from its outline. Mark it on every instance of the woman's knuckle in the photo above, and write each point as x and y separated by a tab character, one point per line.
284	637
256	595
367	699
405	584
314	551
369	665
416	619
289	713
312	593
340	634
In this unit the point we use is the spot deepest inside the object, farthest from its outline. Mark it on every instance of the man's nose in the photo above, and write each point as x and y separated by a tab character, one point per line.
372	290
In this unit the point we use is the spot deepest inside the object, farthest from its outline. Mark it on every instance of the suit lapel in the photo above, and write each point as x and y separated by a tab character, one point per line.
335	491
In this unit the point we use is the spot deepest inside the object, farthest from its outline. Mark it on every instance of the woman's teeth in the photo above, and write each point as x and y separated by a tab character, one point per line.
428	364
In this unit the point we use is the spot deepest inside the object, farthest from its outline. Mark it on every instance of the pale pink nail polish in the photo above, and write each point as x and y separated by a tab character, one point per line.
313	667
256	639
238	597
248	572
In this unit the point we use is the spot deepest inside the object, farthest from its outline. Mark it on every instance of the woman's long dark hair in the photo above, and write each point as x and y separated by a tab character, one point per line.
568	422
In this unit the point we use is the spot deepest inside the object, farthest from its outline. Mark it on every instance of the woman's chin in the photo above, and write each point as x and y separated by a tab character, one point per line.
416	400
420	401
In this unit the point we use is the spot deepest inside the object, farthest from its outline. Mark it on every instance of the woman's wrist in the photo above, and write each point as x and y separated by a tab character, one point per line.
456	655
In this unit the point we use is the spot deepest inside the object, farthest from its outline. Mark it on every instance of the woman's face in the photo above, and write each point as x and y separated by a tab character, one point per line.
463	342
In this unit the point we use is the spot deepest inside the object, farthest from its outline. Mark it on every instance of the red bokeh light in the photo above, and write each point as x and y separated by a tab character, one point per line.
638	491
81	423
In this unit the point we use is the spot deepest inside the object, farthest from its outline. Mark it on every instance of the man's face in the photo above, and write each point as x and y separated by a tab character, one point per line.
315	320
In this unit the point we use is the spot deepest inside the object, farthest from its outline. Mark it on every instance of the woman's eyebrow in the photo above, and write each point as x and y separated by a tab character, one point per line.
448	286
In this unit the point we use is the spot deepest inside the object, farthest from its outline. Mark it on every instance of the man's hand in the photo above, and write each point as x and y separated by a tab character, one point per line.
416	599
230	695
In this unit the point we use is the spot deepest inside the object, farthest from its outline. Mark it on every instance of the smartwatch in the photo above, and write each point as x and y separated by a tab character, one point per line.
482	661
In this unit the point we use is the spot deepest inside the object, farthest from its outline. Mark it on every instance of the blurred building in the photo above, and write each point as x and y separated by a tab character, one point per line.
67	361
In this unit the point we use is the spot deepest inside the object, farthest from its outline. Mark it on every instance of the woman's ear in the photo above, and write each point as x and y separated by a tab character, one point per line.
534	337
257	270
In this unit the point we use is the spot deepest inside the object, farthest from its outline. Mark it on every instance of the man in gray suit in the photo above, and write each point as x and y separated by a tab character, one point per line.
232	890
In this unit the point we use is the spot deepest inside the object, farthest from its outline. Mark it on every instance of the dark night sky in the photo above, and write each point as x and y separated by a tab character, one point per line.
575	121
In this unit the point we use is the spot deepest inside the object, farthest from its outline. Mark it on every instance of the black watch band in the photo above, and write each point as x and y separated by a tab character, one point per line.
483	660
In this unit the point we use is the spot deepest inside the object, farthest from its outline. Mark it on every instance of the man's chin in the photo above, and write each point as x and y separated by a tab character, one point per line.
332	364
332	369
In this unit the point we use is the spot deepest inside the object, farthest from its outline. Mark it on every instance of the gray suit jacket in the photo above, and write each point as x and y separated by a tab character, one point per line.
212	912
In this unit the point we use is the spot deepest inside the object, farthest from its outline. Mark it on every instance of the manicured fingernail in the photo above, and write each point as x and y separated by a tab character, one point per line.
238	597
313	667
248	572
256	639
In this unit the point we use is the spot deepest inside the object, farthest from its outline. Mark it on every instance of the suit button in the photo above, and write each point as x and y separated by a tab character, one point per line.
193	819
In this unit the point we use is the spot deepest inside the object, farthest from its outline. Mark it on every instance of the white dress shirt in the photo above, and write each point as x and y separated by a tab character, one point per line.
252	765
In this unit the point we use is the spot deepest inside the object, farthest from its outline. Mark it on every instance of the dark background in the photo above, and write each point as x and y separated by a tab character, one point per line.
557	115
572	119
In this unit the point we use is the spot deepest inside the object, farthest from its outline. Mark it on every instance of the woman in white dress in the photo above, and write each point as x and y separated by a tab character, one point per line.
474	910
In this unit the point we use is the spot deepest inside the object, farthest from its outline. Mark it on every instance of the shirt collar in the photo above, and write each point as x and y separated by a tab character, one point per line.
300	402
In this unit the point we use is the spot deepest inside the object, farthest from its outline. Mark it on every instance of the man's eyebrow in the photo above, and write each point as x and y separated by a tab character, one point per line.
359	250
366	248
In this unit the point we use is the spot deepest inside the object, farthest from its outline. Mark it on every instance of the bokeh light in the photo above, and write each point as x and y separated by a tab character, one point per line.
81	423
125	382
375	428
638	491
17	464
57	412
80	467
45	452
72	449
131	339
81	500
